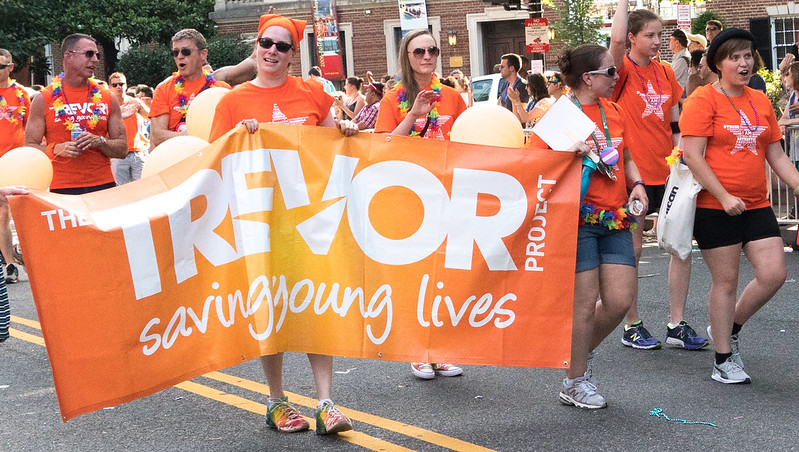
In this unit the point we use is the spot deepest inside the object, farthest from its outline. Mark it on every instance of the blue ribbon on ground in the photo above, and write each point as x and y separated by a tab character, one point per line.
659	413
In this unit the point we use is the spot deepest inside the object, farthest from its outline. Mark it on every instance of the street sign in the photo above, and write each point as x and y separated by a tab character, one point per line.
684	17
536	33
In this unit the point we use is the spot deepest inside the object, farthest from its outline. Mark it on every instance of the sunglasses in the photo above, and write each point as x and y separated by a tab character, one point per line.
3	66
88	53
420	51
608	71
117	85
281	46
184	51
711	29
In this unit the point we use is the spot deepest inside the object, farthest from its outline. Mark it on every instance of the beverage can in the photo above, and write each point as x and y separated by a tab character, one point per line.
636	207
75	132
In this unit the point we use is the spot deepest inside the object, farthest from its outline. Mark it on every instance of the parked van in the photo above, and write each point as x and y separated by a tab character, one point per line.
485	88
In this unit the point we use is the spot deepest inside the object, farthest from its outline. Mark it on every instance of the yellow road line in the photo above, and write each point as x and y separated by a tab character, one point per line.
26	336
388	424
26	322
361	439
259	408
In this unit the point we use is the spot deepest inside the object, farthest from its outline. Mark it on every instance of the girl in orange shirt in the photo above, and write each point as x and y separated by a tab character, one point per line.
729	130
420	106
605	256
649	94
281	98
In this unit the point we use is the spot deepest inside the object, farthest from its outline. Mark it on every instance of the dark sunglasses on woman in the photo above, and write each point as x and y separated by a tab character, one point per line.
608	71
420	51
281	46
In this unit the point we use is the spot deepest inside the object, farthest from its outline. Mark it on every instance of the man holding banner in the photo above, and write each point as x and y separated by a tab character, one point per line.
173	96
82	135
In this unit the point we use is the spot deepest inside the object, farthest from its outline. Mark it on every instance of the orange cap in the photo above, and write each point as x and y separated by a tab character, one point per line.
294	26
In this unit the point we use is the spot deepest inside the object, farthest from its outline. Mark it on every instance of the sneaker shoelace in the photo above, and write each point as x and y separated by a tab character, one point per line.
330	414
284	412
587	387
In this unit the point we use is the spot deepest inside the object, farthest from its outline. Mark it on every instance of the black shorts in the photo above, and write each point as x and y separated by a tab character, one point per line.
655	194
713	228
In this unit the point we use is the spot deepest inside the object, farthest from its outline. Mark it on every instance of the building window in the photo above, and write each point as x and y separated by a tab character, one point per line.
785	35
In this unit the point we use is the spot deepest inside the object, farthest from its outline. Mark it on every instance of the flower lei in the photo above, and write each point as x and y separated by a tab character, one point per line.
676	156
612	219
20	93
61	108
435	85
183	101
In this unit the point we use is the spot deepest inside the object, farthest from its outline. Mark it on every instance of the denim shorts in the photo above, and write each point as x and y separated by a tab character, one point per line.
598	245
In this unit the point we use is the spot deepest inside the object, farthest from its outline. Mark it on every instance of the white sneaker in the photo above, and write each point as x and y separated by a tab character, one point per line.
734	348
581	393
730	372
423	371
447	370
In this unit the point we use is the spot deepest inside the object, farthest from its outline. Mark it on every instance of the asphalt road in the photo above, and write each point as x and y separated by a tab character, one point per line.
497	408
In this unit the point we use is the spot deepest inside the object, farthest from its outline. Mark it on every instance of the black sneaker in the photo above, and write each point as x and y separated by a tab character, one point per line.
684	336
12	274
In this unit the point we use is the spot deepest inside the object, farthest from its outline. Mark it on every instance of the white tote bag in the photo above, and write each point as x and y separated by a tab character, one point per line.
676	217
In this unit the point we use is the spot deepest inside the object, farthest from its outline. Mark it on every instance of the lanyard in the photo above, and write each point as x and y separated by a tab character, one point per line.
608	141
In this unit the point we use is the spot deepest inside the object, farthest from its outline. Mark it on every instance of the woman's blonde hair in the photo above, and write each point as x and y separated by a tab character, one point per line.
406	70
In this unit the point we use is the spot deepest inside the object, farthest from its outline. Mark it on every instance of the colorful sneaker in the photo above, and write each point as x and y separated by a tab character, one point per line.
330	420
12	274
581	393
423	370
736	353
447	370
281	415
684	336
730	372
636	336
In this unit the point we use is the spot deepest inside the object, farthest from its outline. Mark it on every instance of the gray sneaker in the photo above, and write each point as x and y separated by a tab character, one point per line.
581	393
736	353
730	372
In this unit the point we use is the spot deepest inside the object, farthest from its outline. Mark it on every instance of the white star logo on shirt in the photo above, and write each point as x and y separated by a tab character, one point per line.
279	118
654	101
746	137
420	122
7	113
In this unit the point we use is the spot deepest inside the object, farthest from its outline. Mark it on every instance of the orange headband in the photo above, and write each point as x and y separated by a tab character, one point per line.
295	27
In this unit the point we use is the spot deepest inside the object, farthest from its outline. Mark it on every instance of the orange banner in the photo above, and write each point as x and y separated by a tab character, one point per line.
299	239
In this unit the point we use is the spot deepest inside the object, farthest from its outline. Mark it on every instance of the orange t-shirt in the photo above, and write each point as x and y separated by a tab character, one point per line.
92	167
646	95
449	108
294	102
135	142
165	98
736	148
603	192
12	129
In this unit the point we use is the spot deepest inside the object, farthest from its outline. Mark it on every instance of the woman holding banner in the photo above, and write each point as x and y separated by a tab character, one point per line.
605	268
419	105
729	132
299	102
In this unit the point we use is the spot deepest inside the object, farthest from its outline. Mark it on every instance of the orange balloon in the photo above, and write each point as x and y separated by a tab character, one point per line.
170	152
200	114
488	125
26	166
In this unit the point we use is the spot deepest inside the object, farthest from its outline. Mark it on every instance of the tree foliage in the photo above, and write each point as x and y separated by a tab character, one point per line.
578	22
27	25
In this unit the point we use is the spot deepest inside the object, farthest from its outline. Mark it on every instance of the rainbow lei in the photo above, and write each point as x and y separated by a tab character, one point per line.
183	101
21	110
676	156
612	219
61	108
435	85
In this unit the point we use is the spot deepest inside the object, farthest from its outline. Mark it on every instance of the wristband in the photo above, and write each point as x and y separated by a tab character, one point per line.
638	182
675	127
